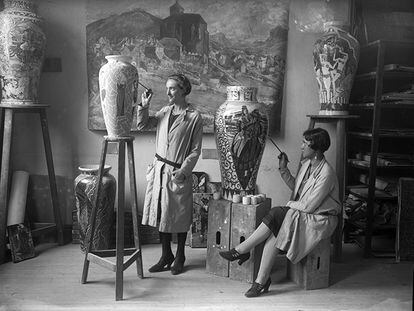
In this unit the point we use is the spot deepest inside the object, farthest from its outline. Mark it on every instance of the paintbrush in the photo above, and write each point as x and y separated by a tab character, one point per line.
274	144
147	90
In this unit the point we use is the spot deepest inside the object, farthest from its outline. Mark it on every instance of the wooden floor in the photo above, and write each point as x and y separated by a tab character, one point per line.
51	281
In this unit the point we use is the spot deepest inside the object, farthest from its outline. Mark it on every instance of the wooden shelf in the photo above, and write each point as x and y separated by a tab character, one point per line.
365	165
393	134
362	193
401	104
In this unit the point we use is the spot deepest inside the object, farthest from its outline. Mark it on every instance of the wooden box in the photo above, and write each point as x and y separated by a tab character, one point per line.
218	236
244	221
312	272
197	235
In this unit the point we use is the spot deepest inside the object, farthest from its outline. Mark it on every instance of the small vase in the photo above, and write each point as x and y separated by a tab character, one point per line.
241	124
118	86
85	186
335	57
22	47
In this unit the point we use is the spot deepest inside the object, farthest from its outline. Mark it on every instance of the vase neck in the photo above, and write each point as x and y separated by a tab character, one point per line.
21	5
241	93
119	58
336	25
93	169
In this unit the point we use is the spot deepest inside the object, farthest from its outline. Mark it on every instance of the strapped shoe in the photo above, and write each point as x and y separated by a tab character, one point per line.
232	255
257	289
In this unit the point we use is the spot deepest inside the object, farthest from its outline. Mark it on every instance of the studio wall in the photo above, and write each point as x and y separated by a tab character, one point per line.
74	144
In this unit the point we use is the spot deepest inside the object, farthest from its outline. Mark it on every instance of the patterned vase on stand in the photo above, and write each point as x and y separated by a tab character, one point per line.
240	125
118	86
85	186
335	57
22	48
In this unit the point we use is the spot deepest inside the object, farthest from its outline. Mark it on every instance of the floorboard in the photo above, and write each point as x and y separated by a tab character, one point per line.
51	281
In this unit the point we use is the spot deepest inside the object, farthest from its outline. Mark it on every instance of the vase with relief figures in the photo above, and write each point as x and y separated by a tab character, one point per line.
240	125
22	48
335	57
85	187
118	86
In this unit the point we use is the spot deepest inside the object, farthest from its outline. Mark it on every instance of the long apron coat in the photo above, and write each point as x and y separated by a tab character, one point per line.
181	144
313	217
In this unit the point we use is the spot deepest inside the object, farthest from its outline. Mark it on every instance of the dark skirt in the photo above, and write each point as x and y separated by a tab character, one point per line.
274	219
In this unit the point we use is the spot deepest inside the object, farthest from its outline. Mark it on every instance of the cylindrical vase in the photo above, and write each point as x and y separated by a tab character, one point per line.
118	86
22	47
241	124
335	57
85	187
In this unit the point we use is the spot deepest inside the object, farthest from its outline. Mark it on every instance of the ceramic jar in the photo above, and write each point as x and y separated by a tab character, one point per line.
240	125
85	187
22	46
335	57
118	86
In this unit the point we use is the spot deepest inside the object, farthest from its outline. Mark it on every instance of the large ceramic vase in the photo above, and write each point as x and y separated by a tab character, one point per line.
22	46
240	126
118	86
335	56
85	186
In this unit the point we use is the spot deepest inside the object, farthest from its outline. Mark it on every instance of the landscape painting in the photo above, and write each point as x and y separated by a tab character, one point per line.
215	43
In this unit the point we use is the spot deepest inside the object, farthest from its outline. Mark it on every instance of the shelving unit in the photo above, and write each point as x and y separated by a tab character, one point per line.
381	96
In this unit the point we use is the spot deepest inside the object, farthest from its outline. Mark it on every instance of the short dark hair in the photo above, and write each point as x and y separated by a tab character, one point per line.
182	81
319	139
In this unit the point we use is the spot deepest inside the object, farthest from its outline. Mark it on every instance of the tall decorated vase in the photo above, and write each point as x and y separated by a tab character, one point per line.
241	124
85	186
118	86
335	56
22	47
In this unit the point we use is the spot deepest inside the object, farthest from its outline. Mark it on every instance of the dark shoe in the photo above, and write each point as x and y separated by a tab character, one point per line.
232	255
178	266
257	289
163	264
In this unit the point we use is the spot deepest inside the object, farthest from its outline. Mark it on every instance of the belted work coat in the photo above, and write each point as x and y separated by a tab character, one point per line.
181	144
313	217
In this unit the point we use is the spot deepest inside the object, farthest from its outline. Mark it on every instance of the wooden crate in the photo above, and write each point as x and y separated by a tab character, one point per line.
244	220
197	235
218	236
312	272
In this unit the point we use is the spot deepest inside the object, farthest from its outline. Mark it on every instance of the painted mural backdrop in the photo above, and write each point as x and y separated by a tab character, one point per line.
216	43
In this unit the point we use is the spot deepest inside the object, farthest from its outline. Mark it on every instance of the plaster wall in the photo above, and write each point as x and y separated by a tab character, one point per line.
73	144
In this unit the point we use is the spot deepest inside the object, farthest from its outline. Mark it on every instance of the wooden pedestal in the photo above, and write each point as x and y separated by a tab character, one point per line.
218	236
312	272
197	235
244	220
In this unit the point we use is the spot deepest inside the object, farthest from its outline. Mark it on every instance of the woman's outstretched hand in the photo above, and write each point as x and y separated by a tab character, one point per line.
145	99
283	160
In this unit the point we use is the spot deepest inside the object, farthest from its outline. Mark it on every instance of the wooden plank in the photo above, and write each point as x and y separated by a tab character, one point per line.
131	259
112	252
102	262
52	177
218	236
405	220
4	179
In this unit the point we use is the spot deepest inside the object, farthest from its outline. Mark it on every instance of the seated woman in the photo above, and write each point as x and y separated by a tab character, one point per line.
307	219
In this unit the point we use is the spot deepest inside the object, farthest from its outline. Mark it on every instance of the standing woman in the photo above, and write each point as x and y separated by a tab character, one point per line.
309	217
168	200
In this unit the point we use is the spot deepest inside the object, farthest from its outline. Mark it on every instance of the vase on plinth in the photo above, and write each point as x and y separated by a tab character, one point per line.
85	187
241	124
118	87
22	48
335	56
